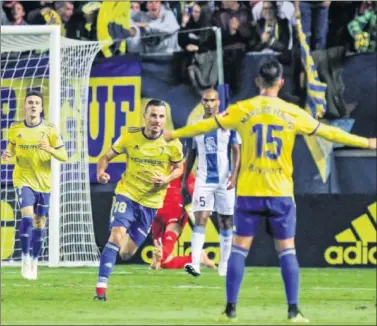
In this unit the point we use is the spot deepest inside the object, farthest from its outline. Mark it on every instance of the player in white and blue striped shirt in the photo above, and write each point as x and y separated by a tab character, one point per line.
214	185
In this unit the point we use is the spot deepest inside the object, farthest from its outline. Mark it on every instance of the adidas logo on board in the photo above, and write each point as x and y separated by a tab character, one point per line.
357	243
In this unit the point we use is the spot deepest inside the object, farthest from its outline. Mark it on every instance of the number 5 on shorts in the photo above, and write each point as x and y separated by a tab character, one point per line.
202	201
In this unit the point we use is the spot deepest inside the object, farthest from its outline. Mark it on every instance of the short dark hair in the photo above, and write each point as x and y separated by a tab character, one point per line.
60	4
154	102
270	72
34	93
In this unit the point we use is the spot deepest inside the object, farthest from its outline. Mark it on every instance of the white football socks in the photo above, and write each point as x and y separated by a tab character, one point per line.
197	243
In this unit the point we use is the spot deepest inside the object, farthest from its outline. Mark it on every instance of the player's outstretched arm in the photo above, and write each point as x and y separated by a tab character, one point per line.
228	120
307	125
102	165
196	129
337	135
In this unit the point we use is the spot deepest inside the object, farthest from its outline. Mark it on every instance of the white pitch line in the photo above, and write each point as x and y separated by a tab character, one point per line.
114	286
345	289
55	271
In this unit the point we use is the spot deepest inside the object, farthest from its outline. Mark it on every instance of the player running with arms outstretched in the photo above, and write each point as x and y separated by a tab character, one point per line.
33	142
214	185
268	127
152	164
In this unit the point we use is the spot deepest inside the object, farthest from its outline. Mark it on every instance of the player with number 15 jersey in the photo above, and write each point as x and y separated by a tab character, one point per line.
268	127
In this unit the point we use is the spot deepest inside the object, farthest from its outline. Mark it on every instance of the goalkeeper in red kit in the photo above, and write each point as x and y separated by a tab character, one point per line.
169	224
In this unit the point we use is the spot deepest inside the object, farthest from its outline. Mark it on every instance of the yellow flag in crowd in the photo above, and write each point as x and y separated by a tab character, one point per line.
316	105
113	12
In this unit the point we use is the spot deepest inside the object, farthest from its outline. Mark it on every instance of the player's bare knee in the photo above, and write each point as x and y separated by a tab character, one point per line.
201	218
282	244
39	222
117	234
225	221
242	242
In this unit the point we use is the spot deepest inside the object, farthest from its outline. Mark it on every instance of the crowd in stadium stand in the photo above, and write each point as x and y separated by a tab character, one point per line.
246	25
186	27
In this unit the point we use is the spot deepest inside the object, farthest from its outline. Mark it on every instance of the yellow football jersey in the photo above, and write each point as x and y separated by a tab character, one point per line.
146	158
268	128
33	165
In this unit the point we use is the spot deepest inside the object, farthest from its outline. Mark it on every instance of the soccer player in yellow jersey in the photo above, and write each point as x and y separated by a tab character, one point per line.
152	163
33	142
268	127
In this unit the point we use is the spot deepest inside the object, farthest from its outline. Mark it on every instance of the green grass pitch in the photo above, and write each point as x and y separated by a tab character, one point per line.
137	295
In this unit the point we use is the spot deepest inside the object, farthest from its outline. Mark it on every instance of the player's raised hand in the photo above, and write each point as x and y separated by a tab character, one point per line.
44	145
6	155
167	135
372	143
103	178
232	181
161	180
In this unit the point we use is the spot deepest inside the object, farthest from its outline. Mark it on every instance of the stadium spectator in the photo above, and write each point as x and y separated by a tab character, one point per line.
238	35
137	14
65	9
18	14
235	23
314	17
60	15
285	10
159	32
274	33
198	63
135	7
363	29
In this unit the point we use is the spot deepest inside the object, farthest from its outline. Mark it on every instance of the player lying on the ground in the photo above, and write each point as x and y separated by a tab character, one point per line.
214	184
268	127
169	224
34	142
152	164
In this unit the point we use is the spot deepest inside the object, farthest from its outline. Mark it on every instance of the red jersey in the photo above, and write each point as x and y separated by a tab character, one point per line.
172	210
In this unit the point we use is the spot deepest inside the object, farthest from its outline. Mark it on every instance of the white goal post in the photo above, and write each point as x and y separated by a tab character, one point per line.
37	57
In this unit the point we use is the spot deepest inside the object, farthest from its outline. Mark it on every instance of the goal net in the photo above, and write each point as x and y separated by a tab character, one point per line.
37	58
